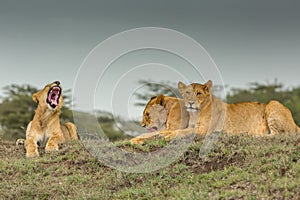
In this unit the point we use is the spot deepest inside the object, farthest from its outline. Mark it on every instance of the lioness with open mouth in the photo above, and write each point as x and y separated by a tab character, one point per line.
46	126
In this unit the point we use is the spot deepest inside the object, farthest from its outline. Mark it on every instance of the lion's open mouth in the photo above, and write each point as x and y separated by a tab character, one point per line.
53	96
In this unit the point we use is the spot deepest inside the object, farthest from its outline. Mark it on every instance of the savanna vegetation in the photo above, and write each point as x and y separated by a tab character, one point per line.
238	167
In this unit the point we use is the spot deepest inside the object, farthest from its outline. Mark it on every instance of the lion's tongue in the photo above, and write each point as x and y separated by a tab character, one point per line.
152	129
53	100
53	97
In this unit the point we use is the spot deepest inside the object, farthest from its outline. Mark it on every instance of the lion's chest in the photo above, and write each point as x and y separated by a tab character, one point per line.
50	125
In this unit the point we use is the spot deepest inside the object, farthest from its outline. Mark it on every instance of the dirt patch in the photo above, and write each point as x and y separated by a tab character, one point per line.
198	165
9	149
217	161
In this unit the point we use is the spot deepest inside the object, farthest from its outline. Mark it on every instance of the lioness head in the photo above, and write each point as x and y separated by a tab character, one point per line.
50	96
195	95
155	114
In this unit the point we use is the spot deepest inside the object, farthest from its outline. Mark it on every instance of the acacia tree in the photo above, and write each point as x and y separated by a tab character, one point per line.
17	106
151	89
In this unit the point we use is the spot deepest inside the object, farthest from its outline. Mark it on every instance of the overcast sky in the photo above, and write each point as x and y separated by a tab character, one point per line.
43	41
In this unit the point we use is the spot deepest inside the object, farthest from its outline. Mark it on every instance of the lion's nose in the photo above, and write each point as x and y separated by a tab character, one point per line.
191	104
57	82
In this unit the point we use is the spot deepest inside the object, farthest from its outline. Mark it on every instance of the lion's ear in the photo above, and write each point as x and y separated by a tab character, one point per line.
208	85
35	97
153	97
181	85
160	100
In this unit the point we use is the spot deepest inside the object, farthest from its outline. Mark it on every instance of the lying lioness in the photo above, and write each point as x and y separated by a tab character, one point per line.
162	113
251	118
45	125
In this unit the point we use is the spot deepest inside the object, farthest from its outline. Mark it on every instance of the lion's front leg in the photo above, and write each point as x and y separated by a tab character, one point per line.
33	136
179	133
31	147
143	137
55	139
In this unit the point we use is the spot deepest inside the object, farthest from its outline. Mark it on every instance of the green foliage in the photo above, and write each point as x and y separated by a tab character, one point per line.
154	89
108	125
86	126
258	92
17	109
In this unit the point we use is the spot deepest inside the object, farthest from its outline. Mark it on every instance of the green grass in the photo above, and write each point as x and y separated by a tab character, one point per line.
239	167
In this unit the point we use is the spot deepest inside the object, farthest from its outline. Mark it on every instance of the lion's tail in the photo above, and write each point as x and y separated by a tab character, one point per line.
72	130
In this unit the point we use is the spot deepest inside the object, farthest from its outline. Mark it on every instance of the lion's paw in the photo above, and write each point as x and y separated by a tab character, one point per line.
170	137
137	141
50	148
20	142
32	154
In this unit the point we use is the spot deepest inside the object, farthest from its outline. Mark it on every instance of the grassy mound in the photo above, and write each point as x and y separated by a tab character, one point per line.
239	167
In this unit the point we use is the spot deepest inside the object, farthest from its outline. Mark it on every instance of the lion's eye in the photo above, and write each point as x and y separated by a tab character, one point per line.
187	92
198	93
147	114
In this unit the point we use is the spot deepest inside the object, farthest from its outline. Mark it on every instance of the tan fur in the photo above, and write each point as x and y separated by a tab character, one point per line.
249	117
162	113
46	126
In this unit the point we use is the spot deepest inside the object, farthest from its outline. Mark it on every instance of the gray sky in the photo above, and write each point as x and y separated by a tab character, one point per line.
43	41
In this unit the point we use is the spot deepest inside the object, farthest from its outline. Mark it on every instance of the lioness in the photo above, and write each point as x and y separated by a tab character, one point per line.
162	113
45	125
252	118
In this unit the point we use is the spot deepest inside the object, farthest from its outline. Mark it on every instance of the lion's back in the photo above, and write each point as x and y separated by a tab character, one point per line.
247	117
